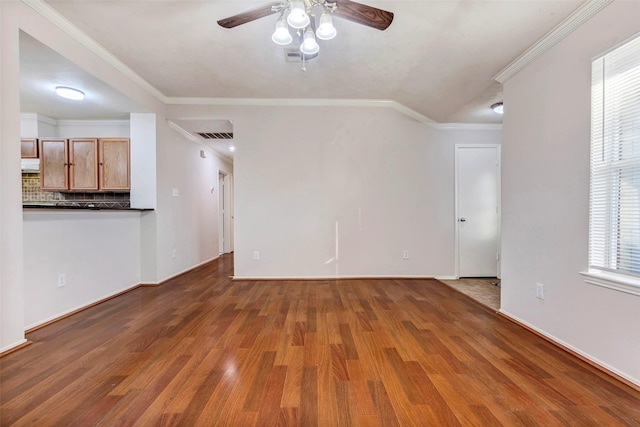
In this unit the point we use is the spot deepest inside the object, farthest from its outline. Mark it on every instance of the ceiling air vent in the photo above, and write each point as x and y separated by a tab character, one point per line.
294	55
216	135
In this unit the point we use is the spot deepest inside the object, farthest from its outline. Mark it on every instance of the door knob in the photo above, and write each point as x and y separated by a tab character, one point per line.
462	220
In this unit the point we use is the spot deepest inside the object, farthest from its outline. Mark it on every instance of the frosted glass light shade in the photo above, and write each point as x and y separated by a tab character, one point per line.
326	30
498	107
309	46
281	35
70	93
298	17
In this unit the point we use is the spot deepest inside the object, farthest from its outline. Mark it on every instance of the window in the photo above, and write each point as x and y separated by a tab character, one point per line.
614	211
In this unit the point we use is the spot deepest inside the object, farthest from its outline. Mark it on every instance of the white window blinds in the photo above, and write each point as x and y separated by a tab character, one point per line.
614	214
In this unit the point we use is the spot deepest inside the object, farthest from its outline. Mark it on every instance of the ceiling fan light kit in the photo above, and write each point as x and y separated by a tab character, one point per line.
281	35
298	15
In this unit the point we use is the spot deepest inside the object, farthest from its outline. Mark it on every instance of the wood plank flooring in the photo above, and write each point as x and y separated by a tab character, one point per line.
205	350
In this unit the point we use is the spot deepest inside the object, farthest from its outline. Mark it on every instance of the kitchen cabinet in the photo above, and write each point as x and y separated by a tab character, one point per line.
84	164
54	174
29	148
114	168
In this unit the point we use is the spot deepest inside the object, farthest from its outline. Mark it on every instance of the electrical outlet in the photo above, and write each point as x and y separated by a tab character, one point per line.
62	280
175	192
539	291
173	253
405	254
256	256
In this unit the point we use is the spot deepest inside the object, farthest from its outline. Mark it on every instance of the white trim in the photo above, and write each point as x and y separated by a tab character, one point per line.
560	342
617	282
340	277
326	102
446	278
456	245
188	135
80	36
80	307
173	276
39	118
467	126
14	345
303	102
93	122
553	37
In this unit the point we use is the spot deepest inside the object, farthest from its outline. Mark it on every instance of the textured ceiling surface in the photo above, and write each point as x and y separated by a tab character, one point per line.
437	57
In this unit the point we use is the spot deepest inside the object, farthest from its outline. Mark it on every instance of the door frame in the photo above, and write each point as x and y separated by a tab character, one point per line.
457	215
225	221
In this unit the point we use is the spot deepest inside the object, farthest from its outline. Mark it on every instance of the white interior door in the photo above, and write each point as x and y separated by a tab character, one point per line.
478	210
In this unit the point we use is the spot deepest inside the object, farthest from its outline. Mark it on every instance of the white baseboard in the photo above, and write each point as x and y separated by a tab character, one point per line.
345	277
587	357
173	276
80	307
11	346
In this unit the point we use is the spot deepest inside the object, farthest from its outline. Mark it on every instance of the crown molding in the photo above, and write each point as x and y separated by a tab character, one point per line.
39	118
553	37
468	126
93	122
81	37
188	135
302	102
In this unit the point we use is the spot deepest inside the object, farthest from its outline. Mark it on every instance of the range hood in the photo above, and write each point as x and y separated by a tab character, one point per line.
30	165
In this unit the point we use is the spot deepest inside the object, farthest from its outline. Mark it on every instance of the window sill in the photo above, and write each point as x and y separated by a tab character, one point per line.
613	281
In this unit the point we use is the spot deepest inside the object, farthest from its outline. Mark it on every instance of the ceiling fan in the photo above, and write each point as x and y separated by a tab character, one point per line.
298	14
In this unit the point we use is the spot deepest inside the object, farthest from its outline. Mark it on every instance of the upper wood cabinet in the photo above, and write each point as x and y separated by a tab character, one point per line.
84	164
29	148
114	168
54	164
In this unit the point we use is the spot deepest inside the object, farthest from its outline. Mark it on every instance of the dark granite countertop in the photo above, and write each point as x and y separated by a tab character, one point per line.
78	206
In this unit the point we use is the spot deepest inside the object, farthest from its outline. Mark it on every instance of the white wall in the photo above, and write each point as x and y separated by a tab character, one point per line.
182	223
98	251
92	128
187	223
545	194
11	262
385	179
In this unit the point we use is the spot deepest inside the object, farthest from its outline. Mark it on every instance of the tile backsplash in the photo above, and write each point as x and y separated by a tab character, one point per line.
32	194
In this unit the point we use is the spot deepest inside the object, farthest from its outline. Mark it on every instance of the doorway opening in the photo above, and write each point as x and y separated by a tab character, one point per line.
477	223
225	213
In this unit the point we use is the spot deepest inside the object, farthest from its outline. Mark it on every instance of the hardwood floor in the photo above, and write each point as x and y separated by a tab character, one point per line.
205	350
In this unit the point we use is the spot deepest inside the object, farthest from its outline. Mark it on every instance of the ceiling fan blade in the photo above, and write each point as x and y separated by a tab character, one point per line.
248	16
363	14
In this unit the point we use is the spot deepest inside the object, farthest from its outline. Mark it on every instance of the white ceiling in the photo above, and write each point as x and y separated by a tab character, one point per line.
437	58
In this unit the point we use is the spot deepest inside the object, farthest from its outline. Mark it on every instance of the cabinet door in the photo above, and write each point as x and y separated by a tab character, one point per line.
114	164
29	148
83	164
53	164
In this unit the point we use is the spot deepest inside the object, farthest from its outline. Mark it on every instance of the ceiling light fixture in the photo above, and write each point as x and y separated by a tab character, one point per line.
300	18
70	93
498	108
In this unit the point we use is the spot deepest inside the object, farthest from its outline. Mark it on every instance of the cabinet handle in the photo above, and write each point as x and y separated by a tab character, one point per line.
65	163
101	163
